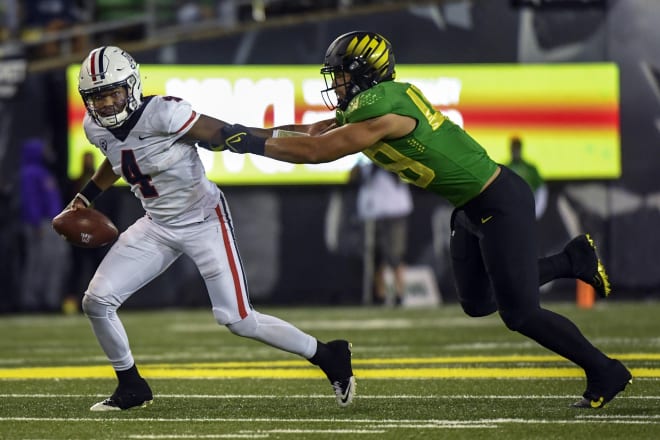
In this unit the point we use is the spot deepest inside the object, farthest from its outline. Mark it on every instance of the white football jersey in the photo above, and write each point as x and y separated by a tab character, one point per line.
166	174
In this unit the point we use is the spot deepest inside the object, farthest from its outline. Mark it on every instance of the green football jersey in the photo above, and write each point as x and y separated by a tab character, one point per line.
437	155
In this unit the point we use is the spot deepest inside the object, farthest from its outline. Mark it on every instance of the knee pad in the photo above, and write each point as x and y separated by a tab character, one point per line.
94	307
246	327
477	310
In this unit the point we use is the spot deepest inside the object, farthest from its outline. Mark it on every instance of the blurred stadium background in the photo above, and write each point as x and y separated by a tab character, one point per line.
283	228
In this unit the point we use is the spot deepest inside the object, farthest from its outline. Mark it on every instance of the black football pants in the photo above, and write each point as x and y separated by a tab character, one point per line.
494	254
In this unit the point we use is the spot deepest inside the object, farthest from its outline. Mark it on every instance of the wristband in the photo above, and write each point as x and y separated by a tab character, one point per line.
89	192
279	133
239	140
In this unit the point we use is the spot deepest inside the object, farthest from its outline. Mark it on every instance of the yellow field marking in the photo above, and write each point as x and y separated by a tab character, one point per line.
410	360
97	372
300	369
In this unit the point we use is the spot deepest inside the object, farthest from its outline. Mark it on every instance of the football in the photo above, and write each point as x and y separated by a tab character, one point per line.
85	227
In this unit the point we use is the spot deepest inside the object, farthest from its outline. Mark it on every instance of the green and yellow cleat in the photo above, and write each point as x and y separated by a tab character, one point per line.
587	265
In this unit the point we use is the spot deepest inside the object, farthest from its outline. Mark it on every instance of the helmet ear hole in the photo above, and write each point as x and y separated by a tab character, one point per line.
354	66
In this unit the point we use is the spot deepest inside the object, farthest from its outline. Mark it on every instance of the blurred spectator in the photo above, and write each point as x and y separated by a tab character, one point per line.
384	200
46	254
10	20
193	11
43	17
530	174
228	13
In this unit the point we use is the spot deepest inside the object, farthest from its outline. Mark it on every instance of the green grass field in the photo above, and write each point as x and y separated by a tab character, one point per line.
422	374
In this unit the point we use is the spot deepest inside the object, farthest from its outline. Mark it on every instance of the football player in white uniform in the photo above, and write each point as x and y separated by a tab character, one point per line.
150	142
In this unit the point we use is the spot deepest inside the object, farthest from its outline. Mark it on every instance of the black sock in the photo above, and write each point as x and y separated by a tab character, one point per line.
554	267
321	354
130	376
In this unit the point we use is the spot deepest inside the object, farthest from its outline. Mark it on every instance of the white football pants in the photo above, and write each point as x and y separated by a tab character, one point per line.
146	249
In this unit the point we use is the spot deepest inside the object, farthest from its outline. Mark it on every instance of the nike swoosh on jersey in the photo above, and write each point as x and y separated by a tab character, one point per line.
485	219
144	137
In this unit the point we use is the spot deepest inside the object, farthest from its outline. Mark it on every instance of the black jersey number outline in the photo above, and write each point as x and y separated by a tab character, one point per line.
131	172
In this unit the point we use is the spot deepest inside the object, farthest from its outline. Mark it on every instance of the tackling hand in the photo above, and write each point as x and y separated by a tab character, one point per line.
238	139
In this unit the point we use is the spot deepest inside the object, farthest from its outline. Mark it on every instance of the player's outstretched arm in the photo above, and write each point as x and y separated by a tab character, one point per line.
217	135
339	142
313	129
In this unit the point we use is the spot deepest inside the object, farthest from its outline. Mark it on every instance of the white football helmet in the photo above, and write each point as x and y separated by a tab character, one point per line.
106	68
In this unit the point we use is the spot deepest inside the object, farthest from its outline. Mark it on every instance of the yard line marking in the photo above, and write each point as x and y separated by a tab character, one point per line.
421	360
402	423
179	371
103	371
631	416
175	436
385	368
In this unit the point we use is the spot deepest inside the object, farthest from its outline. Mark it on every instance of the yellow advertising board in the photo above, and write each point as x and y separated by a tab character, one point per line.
566	114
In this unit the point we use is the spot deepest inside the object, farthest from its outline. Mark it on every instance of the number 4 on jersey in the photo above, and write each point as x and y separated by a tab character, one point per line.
131	171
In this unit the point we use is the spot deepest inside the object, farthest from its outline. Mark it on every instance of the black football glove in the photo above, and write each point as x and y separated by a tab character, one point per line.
238	139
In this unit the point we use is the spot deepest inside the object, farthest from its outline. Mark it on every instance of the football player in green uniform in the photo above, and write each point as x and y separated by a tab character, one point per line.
493	227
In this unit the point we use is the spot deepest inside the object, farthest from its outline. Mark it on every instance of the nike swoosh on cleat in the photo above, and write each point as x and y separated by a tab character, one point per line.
344	397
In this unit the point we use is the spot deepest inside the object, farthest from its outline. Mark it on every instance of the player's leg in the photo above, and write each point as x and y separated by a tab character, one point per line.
509	249
472	282
212	246
396	230
580	260
379	263
136	258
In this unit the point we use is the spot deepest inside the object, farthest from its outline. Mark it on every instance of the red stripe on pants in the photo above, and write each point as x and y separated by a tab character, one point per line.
232	264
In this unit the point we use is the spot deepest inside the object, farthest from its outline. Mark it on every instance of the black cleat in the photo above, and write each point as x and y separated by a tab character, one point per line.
587	265
339	371
602	389
138	396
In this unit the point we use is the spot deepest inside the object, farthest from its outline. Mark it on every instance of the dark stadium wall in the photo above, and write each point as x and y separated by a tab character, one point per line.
281	229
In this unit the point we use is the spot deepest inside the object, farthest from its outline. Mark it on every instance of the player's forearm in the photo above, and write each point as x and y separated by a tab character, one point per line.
299	150
310	129
105	177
